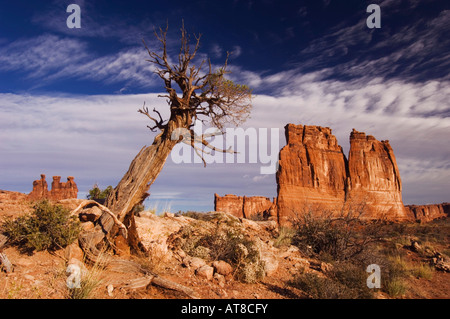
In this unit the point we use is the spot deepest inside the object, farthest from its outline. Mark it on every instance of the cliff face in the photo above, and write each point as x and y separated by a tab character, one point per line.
312	170
243	206
231	204
426	213
374	178
314	174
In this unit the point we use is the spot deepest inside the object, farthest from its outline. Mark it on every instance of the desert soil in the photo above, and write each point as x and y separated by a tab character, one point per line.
42	275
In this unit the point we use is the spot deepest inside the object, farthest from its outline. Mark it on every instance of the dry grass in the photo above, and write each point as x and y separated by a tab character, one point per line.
285	236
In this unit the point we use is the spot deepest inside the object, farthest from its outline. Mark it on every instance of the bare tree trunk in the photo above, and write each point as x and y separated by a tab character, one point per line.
134	185
143	170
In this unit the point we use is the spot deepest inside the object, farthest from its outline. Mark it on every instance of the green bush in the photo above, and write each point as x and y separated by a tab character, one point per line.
49	227
95	193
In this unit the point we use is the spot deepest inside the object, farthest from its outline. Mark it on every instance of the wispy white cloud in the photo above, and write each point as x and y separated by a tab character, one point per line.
95	24
216	50
410	51
236	52
40	56
96	137
50	57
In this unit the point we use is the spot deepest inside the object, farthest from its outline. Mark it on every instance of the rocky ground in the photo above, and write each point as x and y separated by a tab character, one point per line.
172	255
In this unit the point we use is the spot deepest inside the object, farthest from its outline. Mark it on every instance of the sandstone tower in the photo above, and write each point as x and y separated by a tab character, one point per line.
315	173
58	191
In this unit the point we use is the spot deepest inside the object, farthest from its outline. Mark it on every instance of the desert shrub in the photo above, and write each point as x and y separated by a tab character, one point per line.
260	216
436	231
48	227
195	215
201	252
423	271
354	277
227	243
320	287
393	279
232	246
137	209
339	238
344	281
395	287
285	236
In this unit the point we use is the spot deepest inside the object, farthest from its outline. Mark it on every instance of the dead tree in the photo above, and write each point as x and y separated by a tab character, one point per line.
204	94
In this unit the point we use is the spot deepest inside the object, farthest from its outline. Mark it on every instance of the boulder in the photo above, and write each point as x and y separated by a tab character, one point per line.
73	251
220	279
222	267
154	231
270	263
205	271
193	262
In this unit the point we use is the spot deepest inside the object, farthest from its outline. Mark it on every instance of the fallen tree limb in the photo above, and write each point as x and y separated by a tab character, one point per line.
104	209
138	283
127	266
168	284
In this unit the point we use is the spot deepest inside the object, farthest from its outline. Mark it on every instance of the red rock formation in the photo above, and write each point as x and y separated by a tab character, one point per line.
243	206
375	178
40	189
314	174
426	213
259	205
312	171
230	204
63	190
59	190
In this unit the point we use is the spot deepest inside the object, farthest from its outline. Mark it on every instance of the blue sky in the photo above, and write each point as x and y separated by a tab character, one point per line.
68	97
